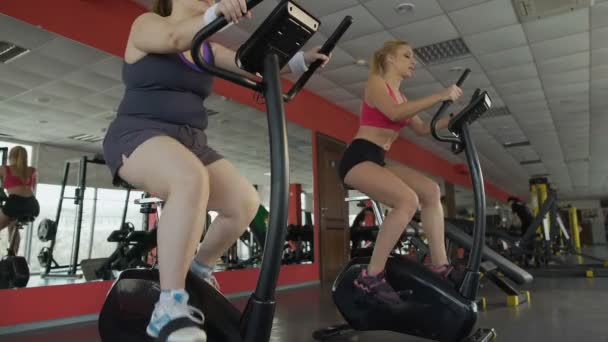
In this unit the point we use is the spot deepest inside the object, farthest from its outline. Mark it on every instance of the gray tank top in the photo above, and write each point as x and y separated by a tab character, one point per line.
167	88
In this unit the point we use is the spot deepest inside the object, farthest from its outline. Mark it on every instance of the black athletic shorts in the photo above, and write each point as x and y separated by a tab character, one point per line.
17	207
359	151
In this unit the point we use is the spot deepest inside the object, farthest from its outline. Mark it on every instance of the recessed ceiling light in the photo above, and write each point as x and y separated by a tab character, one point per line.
361	62
43	99
405	8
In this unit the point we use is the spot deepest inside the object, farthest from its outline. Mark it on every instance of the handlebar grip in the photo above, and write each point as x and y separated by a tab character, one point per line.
463	77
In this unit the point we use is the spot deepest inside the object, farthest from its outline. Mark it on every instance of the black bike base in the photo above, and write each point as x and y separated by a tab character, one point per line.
482	335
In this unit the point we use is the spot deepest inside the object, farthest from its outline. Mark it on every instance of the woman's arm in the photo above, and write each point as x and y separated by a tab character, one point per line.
226	58
378	97
152	33
422	127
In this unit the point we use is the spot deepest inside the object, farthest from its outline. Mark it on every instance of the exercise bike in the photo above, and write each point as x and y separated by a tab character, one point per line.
14	270
130	301
434	308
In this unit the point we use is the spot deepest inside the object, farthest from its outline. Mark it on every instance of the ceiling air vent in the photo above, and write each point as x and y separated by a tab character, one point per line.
536	9
441	52
530	162
10	51
91	138
516	144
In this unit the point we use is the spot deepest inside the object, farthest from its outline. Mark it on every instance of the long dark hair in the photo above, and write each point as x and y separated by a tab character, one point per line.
162	7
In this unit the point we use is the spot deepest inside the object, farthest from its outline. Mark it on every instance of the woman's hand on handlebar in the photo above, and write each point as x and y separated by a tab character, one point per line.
313	54
451	93
232	10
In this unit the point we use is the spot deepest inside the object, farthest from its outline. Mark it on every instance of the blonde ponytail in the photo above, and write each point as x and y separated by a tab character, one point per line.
379	57
18	155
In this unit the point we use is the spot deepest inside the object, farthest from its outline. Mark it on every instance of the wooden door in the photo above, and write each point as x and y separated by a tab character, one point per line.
333	216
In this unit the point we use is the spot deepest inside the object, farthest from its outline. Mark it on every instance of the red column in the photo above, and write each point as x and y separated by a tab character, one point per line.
295	204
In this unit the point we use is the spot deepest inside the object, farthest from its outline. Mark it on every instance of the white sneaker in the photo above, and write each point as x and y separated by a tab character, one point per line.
176	307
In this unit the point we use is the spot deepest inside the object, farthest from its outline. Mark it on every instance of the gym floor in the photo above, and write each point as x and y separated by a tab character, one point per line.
564	309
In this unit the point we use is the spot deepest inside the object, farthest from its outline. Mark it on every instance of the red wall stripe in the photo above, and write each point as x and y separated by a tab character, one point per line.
62	301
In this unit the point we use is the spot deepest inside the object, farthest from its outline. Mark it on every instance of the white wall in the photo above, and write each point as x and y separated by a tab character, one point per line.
580	204
51	164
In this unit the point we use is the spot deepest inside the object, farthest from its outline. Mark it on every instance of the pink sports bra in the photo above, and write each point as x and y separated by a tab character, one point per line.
371	116
11	181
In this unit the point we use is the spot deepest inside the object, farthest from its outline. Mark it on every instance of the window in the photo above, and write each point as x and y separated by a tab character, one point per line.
105	205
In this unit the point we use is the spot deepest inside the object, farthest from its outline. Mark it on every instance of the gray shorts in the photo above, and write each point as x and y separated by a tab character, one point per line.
126	133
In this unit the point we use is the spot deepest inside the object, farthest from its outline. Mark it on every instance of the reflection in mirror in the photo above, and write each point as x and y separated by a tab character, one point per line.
61	113
240	133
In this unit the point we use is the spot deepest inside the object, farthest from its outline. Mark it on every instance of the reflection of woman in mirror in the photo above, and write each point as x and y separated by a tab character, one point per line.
158	143
385	111
19	180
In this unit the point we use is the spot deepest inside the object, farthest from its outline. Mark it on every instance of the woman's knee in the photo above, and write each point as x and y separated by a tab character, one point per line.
407	202
430	195
191	183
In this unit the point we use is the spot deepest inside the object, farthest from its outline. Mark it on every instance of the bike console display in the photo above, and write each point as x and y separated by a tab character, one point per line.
285	32
477	107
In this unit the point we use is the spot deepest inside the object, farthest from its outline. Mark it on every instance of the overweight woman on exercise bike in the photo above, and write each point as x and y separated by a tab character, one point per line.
19	180
384	112
157	143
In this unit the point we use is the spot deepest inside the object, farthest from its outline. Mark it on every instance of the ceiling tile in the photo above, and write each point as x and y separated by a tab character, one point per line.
66	90
599	57
421	76
22	33
451	5
9	90
565	63
339	58
103	101
519	86
353	106
91	80
557	26
110	67
567	89
530	96
347	75
599	15
21	78
599	38
324	7
561	46
44	66
506	58
39	97
366	23
117	91
365	46
515	73
484	17
496	40
552	80
384	11
413	93
427	31
83	109
71	52
337	94
445	71
318	82
599	72
358	89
